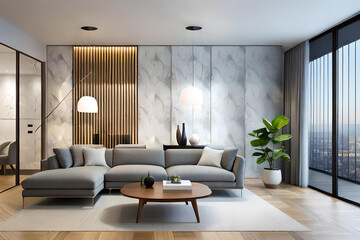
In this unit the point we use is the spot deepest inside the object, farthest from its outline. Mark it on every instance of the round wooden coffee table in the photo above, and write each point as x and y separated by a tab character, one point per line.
156	194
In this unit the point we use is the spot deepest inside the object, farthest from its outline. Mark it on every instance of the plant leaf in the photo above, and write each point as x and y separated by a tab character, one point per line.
277	155
283	137
252	134
260	160
267	150
261	142
282	148
279	121
256	154
260	130
269	126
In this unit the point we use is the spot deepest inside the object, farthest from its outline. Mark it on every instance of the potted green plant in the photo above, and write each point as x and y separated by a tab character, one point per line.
269	146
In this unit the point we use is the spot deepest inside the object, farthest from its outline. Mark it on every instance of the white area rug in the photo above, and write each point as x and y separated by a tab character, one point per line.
225	210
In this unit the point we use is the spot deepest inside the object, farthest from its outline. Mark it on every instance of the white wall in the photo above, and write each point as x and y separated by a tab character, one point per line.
14	37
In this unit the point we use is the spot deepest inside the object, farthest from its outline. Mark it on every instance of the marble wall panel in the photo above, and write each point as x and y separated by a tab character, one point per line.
8	130
228	96
7	96
154	95
191	67
7	107
59	83
182	75
263	94
201	113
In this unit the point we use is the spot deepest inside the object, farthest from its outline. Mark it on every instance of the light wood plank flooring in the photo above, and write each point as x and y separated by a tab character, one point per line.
328	218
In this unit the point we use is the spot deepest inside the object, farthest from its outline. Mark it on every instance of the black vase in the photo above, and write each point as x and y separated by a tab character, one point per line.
178	135
149	181
183	137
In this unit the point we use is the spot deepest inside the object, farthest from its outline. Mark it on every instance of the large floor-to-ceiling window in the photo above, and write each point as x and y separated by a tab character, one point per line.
335	61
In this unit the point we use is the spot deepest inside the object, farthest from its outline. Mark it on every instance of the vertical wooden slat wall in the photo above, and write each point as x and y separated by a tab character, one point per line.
109	74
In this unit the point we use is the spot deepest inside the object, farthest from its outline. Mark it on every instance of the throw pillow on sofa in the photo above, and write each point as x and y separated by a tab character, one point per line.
64	157
211	157
77	153
94	156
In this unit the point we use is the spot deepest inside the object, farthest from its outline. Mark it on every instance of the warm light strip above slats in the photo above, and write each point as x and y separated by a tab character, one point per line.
113	83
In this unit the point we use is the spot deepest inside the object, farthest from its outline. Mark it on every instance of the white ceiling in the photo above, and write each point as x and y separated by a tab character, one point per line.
163	22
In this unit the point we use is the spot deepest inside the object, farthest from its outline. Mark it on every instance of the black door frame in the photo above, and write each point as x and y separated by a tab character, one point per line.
17	110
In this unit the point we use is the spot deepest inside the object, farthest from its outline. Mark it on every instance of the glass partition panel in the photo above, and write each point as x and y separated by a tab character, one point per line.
320	75
30	115
348	58
7	116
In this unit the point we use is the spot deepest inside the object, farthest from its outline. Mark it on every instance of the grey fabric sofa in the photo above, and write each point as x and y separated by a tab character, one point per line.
128	166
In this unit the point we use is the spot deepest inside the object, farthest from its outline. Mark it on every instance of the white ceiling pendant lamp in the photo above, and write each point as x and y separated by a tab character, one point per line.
192	95
87	104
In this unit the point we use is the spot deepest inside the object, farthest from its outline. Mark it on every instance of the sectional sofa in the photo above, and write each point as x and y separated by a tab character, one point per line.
129	165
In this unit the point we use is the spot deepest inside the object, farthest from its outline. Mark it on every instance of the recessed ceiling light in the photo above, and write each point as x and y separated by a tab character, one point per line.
193	28
89	28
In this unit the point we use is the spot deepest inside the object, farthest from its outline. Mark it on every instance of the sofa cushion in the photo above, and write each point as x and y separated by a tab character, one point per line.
182	157
211	157
133	173
78	157
77	177
138	156
64	157
94	156
228	157
197	173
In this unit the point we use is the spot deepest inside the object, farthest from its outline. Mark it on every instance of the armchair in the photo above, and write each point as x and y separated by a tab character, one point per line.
8	155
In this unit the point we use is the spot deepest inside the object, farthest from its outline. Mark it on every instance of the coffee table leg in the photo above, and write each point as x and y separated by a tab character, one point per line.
187	203
140	208
194	204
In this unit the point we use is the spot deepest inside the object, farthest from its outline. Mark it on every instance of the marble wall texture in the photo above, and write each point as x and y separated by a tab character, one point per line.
7	107
241	85
154	95
59	84
263	95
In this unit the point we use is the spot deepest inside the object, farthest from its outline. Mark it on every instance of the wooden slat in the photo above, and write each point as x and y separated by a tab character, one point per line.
113	82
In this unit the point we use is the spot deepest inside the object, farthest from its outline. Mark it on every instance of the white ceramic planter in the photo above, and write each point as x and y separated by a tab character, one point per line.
271	177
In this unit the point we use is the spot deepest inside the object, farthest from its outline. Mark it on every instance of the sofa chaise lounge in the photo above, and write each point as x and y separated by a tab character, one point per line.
129	165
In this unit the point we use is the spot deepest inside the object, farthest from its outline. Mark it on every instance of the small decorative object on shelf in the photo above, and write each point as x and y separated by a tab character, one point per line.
149	180
178	135
194	139
175	179
183	136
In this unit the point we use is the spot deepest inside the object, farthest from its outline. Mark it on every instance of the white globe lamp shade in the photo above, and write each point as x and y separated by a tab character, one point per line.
192	96
87	104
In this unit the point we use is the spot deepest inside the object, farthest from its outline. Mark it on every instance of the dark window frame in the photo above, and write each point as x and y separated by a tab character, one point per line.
335	106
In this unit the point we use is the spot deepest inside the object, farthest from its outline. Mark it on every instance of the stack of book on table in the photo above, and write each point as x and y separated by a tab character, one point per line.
184	185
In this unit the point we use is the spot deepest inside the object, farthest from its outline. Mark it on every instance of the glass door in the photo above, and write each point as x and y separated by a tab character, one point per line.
30	115
7	117
320	77
334	167
348	75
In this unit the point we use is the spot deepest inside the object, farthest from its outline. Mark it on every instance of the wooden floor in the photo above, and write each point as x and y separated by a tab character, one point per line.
6	181
326	217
